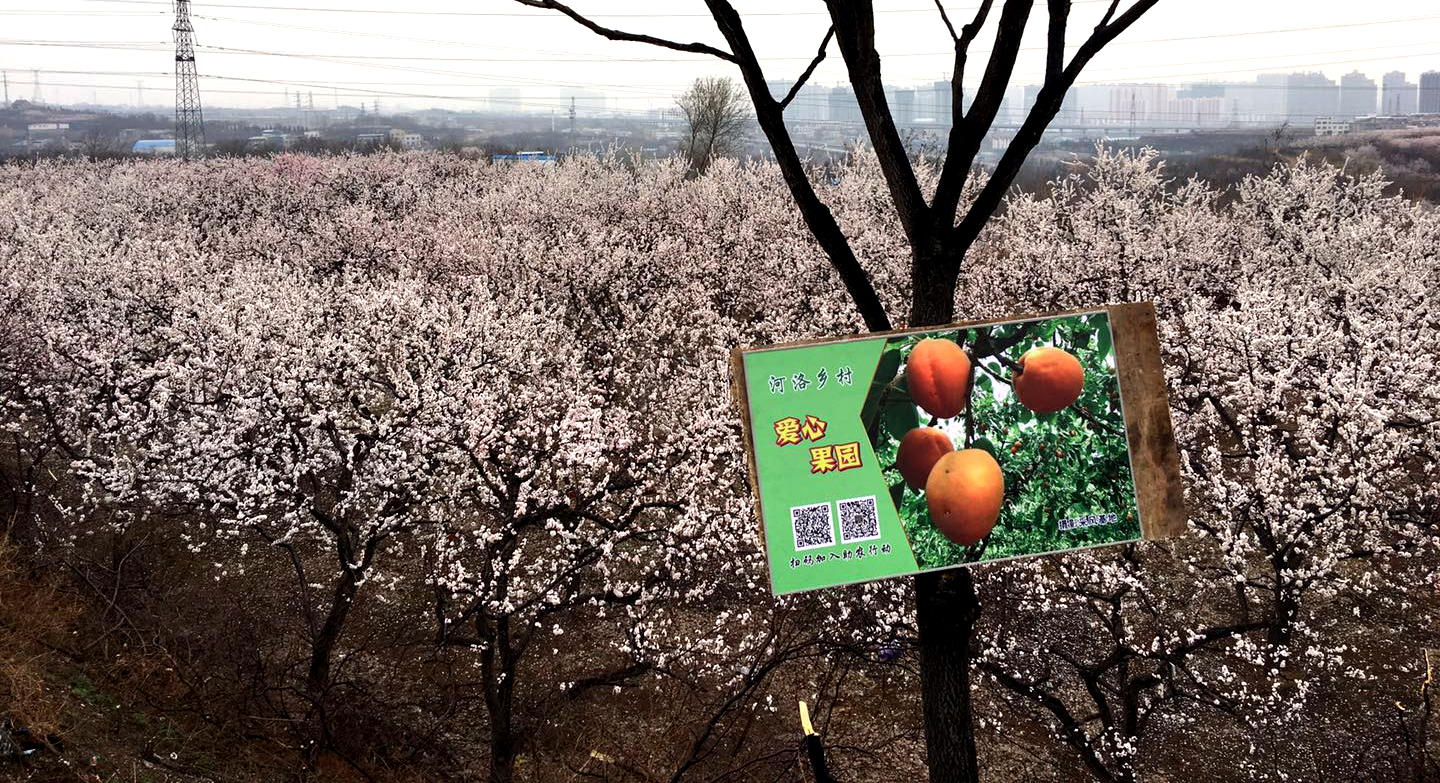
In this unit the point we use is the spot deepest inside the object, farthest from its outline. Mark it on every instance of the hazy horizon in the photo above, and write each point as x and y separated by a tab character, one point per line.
451	54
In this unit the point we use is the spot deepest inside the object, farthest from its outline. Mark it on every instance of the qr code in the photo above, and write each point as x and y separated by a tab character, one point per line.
859	520
812	525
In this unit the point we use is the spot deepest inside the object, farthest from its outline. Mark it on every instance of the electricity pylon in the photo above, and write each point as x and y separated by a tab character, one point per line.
189	122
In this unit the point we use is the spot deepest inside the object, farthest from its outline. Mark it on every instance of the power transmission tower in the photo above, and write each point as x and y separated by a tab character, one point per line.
572	116
35	97
6	78
189	121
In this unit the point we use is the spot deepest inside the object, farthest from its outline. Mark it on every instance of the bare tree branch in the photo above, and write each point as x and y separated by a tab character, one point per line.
819	56
946	18
1047	105
1109	12
770	116
968	129
1055	38
620	35
854	23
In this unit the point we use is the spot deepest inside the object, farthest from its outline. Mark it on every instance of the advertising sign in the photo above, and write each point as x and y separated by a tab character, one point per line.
892	453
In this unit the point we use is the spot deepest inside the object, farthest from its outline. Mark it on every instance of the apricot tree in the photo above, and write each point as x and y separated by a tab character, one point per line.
937	235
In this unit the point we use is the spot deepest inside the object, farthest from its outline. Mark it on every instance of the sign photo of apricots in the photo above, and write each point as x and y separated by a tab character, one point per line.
925	449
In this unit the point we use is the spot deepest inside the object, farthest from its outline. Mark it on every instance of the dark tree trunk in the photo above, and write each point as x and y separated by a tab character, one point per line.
946	606
322	649
497	665
932	298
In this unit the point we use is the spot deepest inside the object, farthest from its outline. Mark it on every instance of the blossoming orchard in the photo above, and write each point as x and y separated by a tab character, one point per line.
406	467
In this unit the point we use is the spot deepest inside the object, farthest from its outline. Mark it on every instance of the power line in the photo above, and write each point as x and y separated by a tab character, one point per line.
579	57
39	12
531	15
1387	47
1236	34
386	36
348	60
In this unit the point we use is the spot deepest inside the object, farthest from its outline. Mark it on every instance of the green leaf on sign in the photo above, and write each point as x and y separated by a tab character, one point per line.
884	373
888	366
900	416
1104	344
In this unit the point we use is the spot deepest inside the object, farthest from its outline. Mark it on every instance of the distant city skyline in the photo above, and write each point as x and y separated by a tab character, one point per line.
470	56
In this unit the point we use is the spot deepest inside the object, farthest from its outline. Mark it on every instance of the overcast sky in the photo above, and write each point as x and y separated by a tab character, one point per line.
450	53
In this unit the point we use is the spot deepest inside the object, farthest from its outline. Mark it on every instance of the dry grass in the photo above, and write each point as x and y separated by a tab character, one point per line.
35	623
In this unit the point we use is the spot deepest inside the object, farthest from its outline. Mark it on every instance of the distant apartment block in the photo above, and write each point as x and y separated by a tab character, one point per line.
1310	95
1430	92
1357	95
843	106
1332	126
903	110
1142	103
1198	112
1265	99
1397	96
810	104
938	104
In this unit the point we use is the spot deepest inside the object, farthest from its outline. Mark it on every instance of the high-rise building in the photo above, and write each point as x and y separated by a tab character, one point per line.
935	101
1397	96
1430	92
904	106
1213	103
1140	103
1201	90
1265	100
812	104
843	106
808	105
1310	95
1357	95
1027	99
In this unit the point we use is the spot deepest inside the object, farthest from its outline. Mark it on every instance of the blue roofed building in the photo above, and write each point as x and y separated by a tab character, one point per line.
154	147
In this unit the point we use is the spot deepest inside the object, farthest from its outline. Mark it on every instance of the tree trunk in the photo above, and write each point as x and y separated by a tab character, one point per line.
502	752
932	296
497	665
323	647
946	606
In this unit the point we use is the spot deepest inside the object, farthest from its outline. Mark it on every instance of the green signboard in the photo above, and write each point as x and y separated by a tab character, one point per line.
886	455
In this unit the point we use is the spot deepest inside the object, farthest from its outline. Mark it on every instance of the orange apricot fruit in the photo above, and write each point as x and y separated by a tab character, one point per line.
1049	379
919	450
964	492
938	376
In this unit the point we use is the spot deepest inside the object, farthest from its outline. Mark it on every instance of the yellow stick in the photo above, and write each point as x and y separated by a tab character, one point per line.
805	719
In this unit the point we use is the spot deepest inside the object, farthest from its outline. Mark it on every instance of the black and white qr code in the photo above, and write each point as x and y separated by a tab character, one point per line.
813	526
859	520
